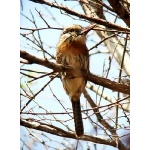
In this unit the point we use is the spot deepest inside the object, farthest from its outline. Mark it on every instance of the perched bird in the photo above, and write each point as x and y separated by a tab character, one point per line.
72	51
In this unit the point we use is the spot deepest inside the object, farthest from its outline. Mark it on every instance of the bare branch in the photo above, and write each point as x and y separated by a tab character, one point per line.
106	97
121	11
57	131
78	73
94	20
113	44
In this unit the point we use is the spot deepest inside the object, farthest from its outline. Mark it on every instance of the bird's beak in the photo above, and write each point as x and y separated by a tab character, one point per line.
87	29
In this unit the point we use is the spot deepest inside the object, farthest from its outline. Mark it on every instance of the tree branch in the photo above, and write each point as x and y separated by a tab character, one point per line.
59	132
102	121
95	20
106	97
120	11
113	44
77	73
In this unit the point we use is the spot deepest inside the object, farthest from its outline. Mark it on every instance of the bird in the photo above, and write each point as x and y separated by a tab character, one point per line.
72	51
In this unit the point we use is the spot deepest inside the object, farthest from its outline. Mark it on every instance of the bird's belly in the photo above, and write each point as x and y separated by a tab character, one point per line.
74	87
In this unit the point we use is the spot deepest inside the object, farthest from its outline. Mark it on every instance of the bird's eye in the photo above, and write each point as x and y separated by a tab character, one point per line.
78	31
71	30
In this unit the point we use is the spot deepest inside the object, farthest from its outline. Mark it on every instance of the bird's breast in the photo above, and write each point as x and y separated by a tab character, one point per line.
73	49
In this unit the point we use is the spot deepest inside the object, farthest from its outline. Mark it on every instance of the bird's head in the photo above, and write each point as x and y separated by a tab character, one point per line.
74	34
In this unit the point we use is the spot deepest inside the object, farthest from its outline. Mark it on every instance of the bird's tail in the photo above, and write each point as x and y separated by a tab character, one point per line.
77	118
